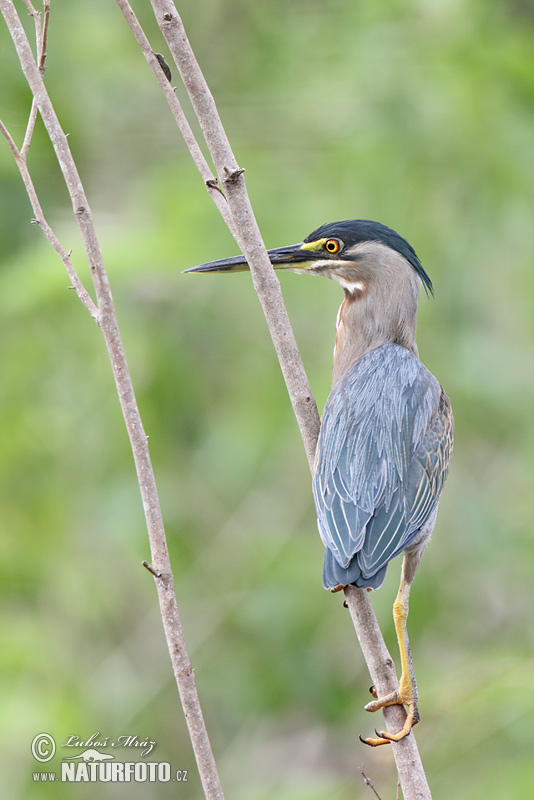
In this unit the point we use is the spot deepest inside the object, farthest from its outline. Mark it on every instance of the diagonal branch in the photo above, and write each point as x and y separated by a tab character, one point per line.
39	219
380	664
383	674
183	671
178	114
231	179
41	34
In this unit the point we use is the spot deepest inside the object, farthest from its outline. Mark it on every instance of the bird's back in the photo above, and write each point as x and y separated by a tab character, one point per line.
381	461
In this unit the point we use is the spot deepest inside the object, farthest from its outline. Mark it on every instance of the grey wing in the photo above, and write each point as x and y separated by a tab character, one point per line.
430	464
381	461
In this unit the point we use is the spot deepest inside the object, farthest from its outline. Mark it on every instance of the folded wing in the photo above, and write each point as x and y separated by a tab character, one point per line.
382	458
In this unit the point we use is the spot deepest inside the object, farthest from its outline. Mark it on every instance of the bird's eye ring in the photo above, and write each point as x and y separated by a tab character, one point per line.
332	246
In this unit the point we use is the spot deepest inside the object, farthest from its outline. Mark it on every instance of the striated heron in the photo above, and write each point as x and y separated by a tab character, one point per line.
386	432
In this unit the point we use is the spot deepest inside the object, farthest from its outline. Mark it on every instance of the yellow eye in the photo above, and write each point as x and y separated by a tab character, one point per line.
332	246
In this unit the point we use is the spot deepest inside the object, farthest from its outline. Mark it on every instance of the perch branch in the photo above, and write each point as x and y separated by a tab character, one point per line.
107	320
384	676
381	666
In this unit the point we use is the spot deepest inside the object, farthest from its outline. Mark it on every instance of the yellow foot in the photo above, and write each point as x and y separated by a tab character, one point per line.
396	698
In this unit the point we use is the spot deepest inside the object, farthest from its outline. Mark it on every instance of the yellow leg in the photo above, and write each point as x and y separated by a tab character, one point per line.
406	695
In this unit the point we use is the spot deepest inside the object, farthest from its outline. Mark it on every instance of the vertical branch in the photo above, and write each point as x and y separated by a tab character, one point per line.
107	320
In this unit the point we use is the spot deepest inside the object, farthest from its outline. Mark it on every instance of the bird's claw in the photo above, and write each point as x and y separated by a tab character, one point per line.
412	718
375	742
383	737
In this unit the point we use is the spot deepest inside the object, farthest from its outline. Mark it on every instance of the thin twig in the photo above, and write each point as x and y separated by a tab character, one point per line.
151	569
368	783
181	120
159	555
41	35
31	9
39	219
44	36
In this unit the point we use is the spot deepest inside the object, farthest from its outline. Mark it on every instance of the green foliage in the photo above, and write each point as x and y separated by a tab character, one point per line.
417	114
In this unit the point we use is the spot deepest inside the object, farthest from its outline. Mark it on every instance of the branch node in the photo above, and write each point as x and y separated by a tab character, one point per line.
231	175
35	221
368	782
164	66
151	569
167	17
213	183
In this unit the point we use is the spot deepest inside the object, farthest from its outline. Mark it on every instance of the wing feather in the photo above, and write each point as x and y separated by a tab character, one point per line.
381	462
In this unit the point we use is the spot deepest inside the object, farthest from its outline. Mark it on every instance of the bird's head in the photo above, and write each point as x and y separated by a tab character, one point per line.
356	253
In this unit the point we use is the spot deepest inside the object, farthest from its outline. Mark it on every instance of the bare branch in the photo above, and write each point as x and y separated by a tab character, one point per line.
31	9
32	119
181	120
369	784
267	286
266	283
44	36
41	33
151	569
106	315
40	220
383	674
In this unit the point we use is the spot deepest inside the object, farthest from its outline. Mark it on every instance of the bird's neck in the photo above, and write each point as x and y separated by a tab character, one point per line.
371	315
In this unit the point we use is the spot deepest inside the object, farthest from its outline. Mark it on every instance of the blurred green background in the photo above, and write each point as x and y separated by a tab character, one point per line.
419	114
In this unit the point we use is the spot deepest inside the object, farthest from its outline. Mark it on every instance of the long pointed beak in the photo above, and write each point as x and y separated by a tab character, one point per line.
290	257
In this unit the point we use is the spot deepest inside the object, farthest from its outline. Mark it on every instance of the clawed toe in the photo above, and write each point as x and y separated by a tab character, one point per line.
375	742
412	718
383	737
